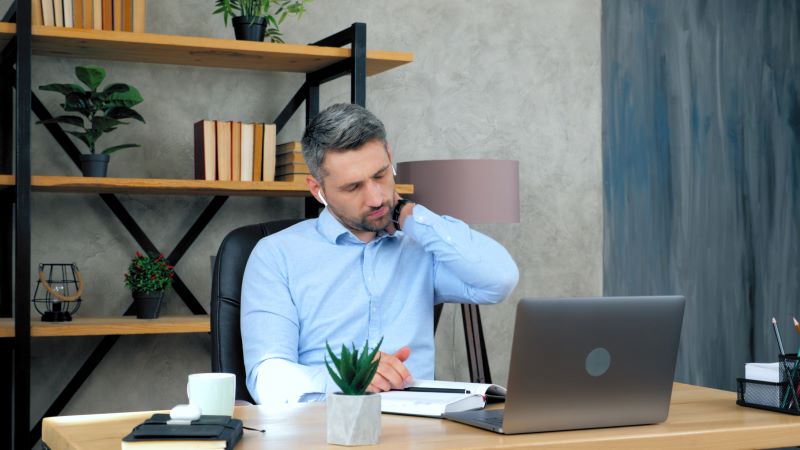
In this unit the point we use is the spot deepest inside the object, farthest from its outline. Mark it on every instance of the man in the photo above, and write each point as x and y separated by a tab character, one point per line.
371	266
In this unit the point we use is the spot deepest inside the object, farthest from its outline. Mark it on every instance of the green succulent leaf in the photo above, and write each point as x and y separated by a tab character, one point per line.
63	88
354	369
91	76
113	149
67	120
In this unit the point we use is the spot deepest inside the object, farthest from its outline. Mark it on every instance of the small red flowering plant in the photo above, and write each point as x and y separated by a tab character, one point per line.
148	274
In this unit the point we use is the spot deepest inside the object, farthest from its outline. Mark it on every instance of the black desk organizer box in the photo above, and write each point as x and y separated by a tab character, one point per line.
769	396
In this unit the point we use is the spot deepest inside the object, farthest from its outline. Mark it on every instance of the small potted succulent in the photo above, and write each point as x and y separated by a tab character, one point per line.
354	416
255	19
102	111
148	277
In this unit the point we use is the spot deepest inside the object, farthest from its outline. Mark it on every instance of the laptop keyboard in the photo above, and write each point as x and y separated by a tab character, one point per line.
490	416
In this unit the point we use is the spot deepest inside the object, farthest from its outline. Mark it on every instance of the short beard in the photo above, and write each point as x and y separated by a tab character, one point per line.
363	224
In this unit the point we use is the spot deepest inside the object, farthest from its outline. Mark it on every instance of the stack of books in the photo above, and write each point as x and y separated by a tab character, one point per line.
290	165
112	15
234	151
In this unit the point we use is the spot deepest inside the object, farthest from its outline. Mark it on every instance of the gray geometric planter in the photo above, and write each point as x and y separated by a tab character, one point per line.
354	419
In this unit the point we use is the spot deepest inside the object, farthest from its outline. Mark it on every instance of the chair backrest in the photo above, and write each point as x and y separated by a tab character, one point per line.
226	290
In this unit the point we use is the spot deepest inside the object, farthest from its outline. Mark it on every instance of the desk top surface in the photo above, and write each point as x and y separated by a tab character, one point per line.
698	418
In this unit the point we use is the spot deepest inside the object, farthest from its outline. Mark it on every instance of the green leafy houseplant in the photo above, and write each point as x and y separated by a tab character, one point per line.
274	12
100	111
148	274
354	371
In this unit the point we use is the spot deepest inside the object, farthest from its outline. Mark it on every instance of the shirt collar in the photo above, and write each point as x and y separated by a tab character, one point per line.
330	227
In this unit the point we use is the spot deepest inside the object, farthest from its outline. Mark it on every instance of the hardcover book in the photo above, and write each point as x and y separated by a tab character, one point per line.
207	432
223	150
290	158
246	172
258	151
236	151
289	147
268	163
205	150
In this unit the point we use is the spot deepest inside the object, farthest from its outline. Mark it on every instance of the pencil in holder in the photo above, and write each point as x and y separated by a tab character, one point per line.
782	396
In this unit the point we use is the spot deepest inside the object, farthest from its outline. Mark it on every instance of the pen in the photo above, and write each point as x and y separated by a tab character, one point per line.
440	390
793	373
778	336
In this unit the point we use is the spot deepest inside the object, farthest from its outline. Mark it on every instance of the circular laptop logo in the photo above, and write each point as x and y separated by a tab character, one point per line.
598	361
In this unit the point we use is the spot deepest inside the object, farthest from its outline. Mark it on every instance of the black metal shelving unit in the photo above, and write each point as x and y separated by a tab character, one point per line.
15	212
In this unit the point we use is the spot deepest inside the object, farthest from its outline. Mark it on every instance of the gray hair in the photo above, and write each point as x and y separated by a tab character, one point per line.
339	128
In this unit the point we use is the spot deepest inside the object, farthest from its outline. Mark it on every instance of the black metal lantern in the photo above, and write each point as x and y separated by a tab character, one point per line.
58	292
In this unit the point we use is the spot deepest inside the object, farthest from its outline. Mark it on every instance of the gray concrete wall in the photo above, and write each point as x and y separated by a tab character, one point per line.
501	79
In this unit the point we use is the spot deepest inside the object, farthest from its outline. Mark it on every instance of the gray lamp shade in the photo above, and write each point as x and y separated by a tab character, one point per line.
473	190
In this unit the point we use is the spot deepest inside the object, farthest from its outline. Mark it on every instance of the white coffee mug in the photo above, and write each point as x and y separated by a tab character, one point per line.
214	393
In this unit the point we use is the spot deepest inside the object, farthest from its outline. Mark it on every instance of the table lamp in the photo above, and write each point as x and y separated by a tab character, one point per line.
477	191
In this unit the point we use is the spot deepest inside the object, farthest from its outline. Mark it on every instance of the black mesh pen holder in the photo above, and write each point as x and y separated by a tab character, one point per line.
782	396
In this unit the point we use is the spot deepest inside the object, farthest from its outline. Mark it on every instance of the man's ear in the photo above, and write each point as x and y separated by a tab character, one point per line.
314	187
391	163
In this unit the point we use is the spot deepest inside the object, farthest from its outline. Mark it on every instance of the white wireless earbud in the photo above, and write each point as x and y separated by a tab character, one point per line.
394	171
322	198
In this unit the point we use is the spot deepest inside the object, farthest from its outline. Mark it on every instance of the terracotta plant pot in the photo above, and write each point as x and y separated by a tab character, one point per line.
148	304
354	419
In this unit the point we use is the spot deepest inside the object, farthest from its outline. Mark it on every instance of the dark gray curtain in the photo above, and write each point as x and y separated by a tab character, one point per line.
701	171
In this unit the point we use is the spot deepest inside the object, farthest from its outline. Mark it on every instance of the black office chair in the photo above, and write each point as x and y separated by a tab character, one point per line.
226	290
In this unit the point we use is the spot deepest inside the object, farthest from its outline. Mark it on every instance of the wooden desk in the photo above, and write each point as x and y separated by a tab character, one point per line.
699	418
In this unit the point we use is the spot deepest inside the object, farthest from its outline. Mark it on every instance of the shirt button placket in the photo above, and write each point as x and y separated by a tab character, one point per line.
369	277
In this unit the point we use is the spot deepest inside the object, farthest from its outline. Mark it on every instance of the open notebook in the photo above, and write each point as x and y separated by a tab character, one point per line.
436	404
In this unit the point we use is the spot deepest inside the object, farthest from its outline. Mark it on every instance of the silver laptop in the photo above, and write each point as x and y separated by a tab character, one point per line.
587	363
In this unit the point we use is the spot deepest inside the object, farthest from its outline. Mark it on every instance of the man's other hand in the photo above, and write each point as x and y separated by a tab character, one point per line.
392	373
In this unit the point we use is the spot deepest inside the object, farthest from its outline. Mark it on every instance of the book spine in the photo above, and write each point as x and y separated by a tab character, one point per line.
127	15
117	15
268	163
108	15
236	151
247	152
77	13
36	13
223	150
97	14
139	15
258	151
48	13
58	10
88	13
68	14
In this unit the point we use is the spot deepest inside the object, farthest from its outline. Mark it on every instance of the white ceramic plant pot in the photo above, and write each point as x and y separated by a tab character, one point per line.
354	419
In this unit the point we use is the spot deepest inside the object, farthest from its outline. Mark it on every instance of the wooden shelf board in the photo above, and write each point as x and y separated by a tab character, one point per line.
105	326
194	51
45	183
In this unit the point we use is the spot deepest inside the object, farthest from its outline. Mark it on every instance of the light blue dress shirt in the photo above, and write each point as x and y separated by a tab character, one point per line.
316	282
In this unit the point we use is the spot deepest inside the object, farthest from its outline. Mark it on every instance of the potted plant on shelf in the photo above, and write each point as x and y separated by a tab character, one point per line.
148	277
102	111
354	416
255	19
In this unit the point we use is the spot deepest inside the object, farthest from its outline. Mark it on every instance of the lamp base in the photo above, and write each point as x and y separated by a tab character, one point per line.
56	316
